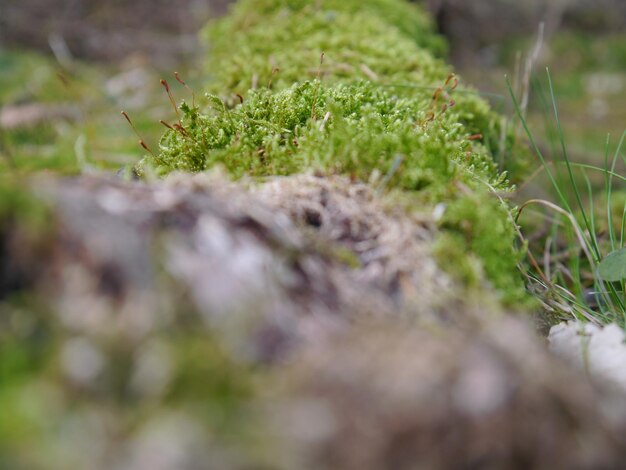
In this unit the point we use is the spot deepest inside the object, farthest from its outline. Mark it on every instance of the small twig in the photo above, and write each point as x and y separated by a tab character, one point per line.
181	81
532	58
324	121
171	97
369	73
570	217
275	70
142	143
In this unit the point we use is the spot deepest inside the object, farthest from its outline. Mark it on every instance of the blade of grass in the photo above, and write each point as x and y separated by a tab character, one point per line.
570	173
592	218
621	235
535	147
550	132
588	166
574	223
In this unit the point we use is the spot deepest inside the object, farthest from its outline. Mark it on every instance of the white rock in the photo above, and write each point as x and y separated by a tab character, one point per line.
599	351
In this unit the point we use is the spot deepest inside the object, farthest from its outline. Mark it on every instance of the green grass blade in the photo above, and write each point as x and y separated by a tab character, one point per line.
588	166
570	173
592	218
621	234
535	147
608	180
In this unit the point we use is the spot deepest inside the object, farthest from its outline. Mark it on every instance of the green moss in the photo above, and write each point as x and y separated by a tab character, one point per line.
388	42
411	20
382	105
353	129
452	255
247	46
481	227
367	130
207	375
18	204
25	225
28	342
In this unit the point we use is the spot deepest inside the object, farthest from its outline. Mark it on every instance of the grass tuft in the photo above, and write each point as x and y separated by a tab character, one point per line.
581	237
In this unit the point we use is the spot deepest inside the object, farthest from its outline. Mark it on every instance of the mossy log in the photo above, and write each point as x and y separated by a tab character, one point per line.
333	288
303	322
357	89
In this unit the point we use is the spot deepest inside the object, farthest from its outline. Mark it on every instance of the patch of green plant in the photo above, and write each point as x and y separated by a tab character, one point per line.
586	276
204	370
18	204
74	121
388	42
613	266
482	227
25	333
376	105
411	20
28	76
389	36
588	85
353	129
28	341
362	130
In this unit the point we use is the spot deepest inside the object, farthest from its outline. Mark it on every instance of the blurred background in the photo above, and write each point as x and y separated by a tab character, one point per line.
67	67
165	31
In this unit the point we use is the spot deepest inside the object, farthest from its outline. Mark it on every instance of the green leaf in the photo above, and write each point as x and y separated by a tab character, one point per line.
613	267
215	102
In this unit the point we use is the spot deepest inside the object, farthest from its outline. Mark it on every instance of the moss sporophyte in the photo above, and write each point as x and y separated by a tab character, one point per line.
379	92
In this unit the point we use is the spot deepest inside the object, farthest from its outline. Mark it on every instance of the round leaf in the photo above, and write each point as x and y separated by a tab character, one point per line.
613	267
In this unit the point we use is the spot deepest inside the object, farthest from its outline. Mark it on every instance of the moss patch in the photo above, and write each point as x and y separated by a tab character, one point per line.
380	107
388	42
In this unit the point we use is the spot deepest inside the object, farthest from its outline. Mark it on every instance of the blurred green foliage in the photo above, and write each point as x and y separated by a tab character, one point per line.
72	120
